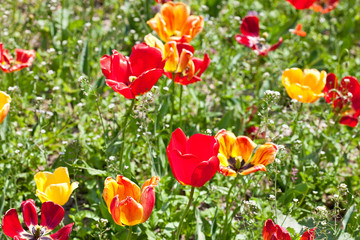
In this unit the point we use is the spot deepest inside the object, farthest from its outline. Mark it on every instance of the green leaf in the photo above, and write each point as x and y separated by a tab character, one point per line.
199	234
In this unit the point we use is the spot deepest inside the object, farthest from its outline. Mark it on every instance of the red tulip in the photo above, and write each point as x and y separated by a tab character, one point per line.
136	75
344	98
193	161
251	37
51	216
301	4
163	1
273	231
23	59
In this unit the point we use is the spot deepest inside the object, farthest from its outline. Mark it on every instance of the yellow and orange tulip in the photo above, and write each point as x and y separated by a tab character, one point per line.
304	86
174	22
128	204
55	186
4	105
241	155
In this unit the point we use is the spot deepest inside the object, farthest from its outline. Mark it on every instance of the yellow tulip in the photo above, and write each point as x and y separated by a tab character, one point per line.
4	105
55	186
307	86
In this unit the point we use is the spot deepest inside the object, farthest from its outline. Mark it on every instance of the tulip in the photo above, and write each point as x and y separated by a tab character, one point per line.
305	87
250	37
51	216
273	231
298	30
324	6
128	204
55	186
24	58
241	155
344	98
4	105
193	161
174	23
136	75
301	4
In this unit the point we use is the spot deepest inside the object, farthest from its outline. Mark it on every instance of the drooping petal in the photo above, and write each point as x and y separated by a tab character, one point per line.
250	26
301	4
147	202
184	79
121	88
349	121
11	225
204	172
29	213
308	235
63	233
145	81
51	215
144	58
131	212
276	45
253	169
127	188
201	64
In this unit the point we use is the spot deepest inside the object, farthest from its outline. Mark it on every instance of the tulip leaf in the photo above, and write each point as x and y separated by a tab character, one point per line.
199	234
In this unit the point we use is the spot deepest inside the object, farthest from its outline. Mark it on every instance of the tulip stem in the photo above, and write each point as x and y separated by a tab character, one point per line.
257	75
228	206
180	104
185	213
129	233
127	114
297	117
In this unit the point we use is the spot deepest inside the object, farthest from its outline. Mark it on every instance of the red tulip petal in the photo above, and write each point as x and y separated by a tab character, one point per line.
51	215
269	229
201	64
301	4
121	88
145	81
148	202
330	86
63	233
25	57
183	80
351	84
144	58
282	233
349	120
29	213
202	146
116	67
250	26
276	45
178	141
186	46
205	171
11	225
308	235
244	40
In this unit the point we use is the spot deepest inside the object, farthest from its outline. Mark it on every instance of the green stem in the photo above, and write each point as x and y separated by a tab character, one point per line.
172	101
297	117
257	75
185	213
127	114
129	233
228	207
180	104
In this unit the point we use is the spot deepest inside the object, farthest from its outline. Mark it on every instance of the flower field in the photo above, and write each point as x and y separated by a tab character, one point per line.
209	119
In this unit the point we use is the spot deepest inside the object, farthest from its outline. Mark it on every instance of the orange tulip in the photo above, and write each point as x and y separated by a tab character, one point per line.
174	22
128	204
298	30
241	155
4	105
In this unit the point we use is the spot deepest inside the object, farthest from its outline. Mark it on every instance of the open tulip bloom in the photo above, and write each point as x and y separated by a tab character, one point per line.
23	58
174	23
55	186
136	75
4	105
128	204
241	155
304	86
344	98
193	161
324	6
273	231
51	216
250	37
180	61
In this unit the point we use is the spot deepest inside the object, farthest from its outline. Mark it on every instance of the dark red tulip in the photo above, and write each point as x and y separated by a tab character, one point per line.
301	4
23	58
136	75
250	37
193	161
51	216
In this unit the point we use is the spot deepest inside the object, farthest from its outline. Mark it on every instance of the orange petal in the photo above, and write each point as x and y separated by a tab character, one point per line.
175	16
131	212
147	202
193	26
243	147
115	210
185	59
227	171
150	182
264	155
110	191
226	140
126	188
253	169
